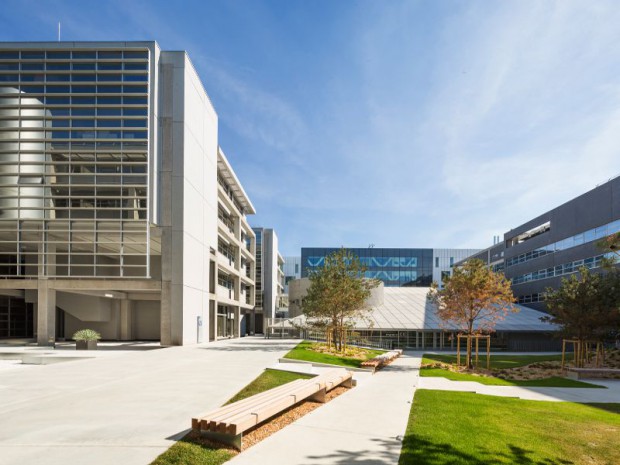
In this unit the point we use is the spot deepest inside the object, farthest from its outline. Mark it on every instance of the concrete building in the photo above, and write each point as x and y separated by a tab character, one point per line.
269	280
292	270
538	253
396	267
118	209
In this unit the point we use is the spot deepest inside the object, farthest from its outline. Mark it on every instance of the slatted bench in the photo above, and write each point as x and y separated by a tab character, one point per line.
228	423
580	373
382	360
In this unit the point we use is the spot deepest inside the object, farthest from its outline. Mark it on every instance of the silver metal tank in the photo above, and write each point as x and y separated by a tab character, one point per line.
22	182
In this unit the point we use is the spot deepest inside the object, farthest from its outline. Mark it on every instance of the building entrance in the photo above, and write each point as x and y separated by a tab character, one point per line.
16	318
225	322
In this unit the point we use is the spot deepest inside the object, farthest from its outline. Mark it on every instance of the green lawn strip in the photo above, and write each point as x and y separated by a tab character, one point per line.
193	450
498	361
452	428
303	352
492	381
268	379
190	451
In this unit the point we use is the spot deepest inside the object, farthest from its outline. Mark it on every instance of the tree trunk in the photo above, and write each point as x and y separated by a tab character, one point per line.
470	364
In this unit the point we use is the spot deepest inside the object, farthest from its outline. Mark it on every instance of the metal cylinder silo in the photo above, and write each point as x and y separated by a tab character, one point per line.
23	156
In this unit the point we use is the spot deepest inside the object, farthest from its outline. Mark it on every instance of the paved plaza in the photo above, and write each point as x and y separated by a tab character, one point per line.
362	426
127	404
122	407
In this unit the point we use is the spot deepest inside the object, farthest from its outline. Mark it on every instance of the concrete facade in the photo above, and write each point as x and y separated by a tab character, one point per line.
269	277
292	270
444	260
141	228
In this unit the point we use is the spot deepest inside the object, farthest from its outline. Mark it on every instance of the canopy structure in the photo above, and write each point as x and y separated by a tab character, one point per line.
406	308
404	317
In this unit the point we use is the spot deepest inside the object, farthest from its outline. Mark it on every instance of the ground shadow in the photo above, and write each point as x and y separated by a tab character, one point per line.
399	368
115	346
248	347
384	451
418	451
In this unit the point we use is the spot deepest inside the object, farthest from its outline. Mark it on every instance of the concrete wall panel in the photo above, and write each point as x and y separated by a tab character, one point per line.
146	319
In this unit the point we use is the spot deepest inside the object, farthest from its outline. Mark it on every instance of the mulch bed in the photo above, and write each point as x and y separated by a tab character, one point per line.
271	426
539	370
285	418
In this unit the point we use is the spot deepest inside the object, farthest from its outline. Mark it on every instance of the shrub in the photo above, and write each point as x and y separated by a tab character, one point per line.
86	335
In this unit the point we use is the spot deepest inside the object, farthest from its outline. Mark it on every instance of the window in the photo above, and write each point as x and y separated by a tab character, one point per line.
529	234
128	54
58	66
38	55
567	243
451	262
110	54
83	66
436	262
58	55
84	55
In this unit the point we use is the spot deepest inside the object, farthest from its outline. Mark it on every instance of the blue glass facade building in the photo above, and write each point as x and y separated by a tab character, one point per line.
395	267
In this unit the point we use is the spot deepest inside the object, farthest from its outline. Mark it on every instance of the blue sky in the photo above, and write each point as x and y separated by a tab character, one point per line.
396	123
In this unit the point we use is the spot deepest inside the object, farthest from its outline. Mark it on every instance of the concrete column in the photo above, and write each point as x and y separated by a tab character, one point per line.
237	322
166	314
126	320
237	288
212	320
46	314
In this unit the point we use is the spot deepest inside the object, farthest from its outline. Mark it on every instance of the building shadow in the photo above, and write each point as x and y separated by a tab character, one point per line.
115	346
418	451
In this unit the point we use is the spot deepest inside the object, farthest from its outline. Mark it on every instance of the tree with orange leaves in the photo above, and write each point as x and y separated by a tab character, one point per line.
474	299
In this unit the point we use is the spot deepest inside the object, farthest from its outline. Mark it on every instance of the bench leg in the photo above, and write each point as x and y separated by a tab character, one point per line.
319	396
228	439
348	383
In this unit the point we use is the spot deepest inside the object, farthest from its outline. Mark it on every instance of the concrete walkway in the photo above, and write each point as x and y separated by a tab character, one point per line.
362	426
553	394
121	409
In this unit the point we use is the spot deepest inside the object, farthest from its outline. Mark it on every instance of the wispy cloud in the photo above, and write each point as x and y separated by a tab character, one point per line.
401	123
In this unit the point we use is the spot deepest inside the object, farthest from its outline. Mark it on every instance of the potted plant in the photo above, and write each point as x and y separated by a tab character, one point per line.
86	339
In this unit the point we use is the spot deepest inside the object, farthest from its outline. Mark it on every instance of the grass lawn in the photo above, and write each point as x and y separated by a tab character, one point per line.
492	381
498	361
267	380
302	352
452	428
191	450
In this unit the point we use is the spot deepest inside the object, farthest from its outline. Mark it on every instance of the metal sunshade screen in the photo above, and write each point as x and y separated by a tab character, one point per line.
74	162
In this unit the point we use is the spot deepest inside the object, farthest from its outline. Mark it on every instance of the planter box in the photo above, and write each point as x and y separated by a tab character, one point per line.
86	345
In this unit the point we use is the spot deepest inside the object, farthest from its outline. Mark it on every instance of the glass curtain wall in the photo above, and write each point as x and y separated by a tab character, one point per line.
74	162
395	267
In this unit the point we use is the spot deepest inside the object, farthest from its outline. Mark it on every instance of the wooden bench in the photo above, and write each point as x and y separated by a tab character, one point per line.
580	373
228	423
382	360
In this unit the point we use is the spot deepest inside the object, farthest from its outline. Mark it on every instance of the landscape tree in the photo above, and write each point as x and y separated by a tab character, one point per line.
474	299
611	243
585	306
337	295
